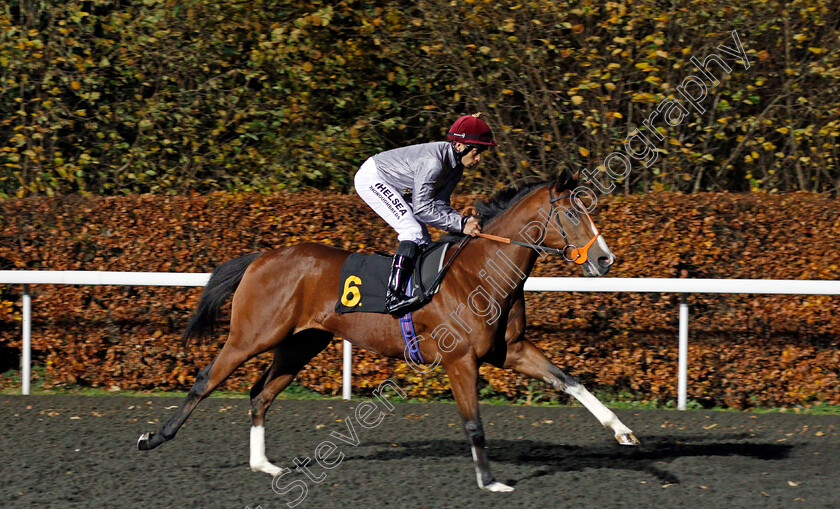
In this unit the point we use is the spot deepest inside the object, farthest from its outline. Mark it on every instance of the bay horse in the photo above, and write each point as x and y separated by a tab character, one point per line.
284	300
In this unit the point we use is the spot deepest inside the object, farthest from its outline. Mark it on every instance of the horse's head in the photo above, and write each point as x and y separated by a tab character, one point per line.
551	218
570	225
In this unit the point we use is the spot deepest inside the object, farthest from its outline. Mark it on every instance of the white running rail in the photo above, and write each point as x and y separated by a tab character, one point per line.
534	284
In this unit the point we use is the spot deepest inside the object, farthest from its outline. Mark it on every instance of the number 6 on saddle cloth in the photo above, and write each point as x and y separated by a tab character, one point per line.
363	283
363	286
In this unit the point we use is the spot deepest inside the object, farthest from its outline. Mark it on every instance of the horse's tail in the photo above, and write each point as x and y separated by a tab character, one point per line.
223	282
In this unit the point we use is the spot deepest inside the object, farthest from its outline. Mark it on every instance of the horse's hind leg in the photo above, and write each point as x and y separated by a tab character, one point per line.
231	357
527	359
289	357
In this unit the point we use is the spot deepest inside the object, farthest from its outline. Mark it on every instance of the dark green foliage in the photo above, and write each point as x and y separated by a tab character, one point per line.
174	96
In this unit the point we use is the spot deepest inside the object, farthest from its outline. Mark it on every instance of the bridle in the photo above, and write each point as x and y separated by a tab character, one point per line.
579	255
570	252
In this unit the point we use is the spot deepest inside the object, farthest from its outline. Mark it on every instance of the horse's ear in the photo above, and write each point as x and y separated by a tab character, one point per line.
565	179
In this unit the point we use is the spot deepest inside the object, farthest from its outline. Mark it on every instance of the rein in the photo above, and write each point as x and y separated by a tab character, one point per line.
577	255
506	240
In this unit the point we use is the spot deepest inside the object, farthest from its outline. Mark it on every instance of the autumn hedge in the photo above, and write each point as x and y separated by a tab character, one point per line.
744	350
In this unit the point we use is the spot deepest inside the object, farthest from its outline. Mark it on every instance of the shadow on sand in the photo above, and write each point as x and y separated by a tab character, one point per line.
554	458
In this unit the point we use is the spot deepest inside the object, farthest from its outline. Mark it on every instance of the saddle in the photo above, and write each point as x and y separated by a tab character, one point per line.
363	283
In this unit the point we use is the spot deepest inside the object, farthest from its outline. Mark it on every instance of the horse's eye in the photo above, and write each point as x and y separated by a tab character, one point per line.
570	214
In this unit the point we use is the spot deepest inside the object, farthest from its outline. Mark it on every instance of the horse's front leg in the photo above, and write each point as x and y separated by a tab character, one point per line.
463	377
524	357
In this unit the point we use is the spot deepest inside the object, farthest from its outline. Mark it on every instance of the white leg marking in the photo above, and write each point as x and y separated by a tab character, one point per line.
497	487
604	415
258	461
494	486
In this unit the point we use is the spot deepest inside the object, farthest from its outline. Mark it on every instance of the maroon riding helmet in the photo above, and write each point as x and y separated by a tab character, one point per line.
471	130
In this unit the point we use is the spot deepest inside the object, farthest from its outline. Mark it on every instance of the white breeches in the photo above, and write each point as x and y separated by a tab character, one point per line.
386	201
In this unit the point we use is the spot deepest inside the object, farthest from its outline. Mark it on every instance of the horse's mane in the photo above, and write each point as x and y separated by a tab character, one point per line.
505	198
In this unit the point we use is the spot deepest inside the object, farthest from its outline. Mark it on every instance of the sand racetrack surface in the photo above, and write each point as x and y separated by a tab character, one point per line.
76	451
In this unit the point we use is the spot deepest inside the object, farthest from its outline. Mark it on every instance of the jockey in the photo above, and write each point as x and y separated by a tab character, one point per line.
429	172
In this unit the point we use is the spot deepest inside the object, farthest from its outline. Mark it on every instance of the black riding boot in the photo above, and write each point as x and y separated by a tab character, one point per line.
401	270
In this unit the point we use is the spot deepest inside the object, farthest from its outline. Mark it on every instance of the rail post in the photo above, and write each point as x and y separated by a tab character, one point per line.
347	370
682	376
26	355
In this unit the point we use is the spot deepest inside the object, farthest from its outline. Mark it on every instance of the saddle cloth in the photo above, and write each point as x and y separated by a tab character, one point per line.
363	283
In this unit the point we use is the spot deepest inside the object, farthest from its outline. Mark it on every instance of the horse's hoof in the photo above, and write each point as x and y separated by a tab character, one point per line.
497	487
143	441
268	468
627	439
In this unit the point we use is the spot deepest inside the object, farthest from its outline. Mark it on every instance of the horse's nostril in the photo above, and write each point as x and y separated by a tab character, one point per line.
605	261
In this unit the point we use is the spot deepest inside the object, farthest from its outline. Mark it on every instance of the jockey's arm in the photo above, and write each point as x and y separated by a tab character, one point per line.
469	225
442	198
430	207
